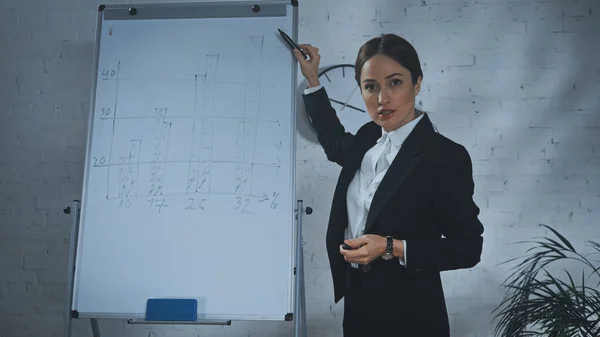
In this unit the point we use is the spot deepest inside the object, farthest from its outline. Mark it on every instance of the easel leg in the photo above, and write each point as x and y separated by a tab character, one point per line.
74	211
300	294
297	292
95	327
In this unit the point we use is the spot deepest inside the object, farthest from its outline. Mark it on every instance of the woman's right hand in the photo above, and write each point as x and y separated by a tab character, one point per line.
309	68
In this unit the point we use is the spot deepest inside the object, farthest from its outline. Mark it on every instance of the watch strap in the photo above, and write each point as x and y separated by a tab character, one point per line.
389	248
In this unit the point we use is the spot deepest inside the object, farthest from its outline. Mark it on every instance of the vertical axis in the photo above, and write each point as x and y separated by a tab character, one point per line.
113	130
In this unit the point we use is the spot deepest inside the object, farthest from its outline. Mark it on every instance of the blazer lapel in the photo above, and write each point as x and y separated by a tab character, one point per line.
400	168
365	141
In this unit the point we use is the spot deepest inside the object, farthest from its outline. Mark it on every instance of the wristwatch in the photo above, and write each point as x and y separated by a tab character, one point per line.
389	249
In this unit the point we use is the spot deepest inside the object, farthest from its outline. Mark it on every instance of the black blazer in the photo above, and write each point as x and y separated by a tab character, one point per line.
426	193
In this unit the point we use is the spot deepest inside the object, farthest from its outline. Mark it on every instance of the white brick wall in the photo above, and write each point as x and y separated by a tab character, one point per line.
517	83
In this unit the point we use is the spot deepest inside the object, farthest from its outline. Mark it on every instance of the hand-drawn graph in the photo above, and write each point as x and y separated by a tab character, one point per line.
194	150
159	155
128	170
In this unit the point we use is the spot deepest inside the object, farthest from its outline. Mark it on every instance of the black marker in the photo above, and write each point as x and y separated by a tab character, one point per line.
346	247
292	44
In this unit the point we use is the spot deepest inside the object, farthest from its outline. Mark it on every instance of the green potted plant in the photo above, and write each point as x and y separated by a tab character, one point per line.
538	303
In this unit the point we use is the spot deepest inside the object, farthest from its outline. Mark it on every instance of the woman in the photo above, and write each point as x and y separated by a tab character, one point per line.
403	208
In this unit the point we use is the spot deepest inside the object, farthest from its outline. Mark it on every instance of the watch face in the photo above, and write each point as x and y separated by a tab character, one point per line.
345	96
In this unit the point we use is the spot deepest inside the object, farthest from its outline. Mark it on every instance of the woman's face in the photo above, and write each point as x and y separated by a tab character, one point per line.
388	92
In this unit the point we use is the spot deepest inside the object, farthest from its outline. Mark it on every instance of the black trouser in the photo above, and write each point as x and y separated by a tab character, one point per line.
381	302
361	318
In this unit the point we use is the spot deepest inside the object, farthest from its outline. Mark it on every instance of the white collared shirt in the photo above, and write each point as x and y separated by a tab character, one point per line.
365	182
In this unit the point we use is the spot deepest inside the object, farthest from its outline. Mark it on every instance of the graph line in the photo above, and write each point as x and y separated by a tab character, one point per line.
113	128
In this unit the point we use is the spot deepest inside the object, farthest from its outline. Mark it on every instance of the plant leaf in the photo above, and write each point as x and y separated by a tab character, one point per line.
536	298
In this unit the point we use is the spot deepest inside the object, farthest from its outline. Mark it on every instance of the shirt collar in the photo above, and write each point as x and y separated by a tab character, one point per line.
399	135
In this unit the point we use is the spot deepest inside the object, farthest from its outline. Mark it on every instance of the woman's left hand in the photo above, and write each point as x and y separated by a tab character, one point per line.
366	249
